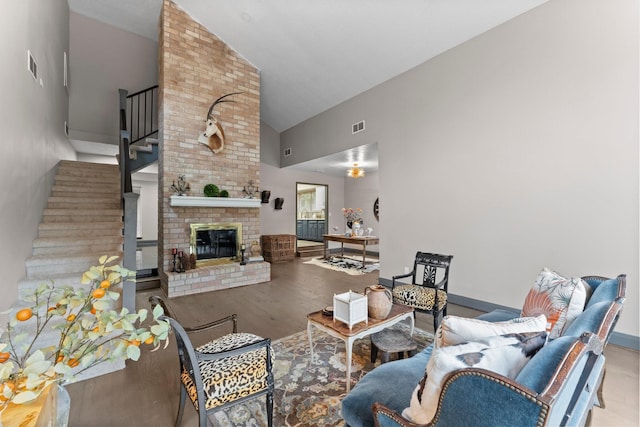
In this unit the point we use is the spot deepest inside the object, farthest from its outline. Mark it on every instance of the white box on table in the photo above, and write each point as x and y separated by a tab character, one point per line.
350	308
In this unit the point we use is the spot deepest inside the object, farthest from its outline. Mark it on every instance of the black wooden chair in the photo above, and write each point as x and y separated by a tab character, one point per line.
225	371
429	285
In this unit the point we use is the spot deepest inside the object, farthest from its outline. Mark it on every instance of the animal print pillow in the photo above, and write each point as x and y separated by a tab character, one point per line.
457	330
503	354
560	299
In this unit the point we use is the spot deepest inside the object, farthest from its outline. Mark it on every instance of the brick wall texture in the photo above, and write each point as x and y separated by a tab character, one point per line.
195	68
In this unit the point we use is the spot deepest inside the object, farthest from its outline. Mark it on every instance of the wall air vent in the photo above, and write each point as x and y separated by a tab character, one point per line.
31	65
287	152
357	127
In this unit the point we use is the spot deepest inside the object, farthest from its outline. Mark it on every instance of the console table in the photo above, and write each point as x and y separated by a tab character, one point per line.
357	240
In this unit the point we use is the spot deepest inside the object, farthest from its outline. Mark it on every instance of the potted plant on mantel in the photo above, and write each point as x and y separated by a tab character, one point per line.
87	331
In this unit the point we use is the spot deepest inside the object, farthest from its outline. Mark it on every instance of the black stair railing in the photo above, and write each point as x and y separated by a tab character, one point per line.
142	110
138	121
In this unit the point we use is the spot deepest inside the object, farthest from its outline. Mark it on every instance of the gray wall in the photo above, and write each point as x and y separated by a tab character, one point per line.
515	151
282	183
104	59
33	119
269	145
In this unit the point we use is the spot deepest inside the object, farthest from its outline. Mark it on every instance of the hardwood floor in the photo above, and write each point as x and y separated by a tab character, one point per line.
146	392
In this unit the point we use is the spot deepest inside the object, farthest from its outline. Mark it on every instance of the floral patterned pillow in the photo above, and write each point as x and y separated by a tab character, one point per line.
560	299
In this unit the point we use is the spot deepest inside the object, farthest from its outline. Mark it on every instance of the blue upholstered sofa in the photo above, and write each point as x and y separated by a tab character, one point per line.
557	387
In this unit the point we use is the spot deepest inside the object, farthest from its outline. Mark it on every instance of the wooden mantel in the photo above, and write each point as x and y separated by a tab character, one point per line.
214	202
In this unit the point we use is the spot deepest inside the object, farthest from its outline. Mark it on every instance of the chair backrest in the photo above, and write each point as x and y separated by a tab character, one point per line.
186	352
603	308
432	270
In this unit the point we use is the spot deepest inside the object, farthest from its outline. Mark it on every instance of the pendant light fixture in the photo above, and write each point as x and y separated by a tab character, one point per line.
355	172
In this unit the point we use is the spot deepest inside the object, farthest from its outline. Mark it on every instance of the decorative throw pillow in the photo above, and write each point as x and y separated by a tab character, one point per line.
456	330
503	354
560	299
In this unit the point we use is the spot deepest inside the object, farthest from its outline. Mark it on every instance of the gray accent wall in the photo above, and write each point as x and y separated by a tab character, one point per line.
515	151
33	116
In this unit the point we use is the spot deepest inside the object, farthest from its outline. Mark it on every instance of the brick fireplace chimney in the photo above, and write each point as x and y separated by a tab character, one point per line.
196	68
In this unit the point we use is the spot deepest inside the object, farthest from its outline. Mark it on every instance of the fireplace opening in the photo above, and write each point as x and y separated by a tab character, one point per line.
217	243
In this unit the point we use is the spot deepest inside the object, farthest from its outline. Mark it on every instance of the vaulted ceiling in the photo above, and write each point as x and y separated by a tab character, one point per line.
313	55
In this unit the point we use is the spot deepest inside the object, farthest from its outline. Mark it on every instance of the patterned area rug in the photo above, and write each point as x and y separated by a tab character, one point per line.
308	393
347	264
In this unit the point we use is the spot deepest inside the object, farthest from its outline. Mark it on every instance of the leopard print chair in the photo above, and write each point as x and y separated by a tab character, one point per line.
225	371
430	295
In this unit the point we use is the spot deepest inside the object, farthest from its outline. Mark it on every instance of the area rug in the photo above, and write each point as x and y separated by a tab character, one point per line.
346	264
308	393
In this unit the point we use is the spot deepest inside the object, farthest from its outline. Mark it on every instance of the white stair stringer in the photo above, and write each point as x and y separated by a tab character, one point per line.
82	222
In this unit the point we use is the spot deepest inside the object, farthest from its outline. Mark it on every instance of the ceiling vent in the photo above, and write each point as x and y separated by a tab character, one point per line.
357	127
287	152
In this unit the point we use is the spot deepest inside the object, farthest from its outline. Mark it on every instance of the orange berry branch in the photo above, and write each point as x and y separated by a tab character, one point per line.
90	330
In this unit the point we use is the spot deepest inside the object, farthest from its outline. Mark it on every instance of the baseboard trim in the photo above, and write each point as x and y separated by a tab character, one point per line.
631	342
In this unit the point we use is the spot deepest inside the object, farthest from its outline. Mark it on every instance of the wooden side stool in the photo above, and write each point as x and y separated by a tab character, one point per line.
390	341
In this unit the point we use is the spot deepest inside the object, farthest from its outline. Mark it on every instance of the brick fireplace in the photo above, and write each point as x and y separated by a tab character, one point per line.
195	68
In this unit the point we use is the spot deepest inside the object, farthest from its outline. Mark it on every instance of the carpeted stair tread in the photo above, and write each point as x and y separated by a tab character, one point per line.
72	188
60	202
107	225
82	212
70	241
77	244
74	257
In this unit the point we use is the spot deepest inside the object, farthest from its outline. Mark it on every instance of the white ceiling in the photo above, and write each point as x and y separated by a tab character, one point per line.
313	55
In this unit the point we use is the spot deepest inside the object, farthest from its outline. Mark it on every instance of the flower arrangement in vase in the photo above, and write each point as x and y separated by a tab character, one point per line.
88	331
353	216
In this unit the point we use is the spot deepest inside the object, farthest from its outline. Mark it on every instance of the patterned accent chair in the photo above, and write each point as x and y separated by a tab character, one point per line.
225	371
430	295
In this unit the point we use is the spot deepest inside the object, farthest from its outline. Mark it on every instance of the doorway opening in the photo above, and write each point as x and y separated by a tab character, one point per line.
311	217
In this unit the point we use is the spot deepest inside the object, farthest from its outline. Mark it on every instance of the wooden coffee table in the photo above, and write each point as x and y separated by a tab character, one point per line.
340	330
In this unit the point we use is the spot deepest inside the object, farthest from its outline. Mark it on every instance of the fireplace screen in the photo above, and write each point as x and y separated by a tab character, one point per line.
215	243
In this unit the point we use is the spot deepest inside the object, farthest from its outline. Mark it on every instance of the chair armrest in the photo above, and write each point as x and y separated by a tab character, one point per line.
386	417
457	406
264	343
587	343
401	276
232	318
155	300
